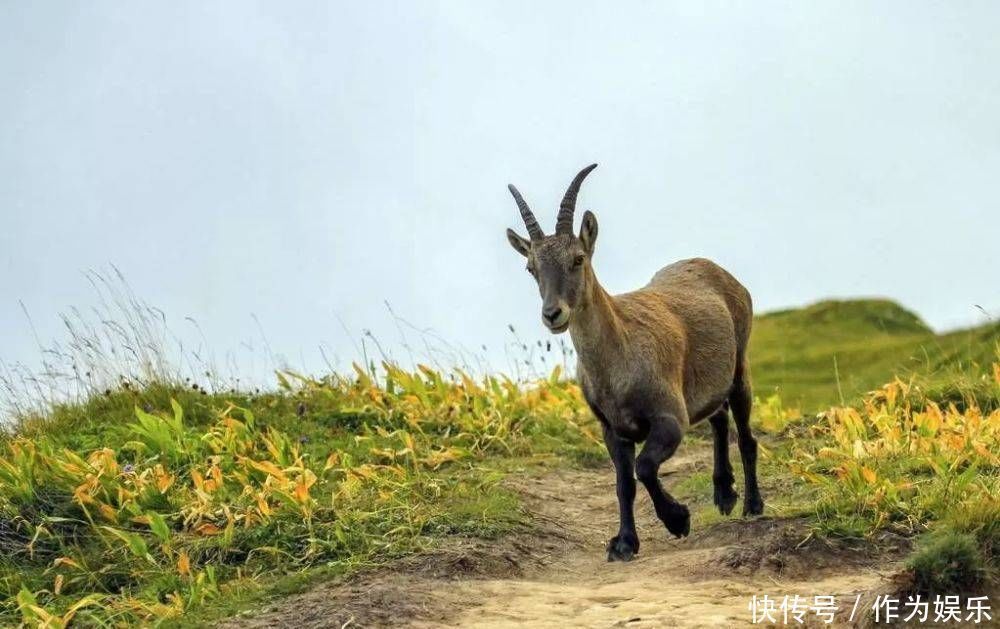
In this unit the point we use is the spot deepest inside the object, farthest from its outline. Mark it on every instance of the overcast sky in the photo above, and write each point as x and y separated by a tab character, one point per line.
299	162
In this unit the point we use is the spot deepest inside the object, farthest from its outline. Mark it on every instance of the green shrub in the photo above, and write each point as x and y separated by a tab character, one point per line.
946	561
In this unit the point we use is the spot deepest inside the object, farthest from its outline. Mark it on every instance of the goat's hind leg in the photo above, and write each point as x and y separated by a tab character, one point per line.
740	401
722	475
664	436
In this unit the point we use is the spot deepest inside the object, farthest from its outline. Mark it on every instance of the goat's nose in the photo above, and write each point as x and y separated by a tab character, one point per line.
552	314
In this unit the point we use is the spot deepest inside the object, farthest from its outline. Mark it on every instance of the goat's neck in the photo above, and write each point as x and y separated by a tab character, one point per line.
597	331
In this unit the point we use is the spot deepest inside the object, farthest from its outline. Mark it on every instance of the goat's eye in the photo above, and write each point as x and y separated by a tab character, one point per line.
578	261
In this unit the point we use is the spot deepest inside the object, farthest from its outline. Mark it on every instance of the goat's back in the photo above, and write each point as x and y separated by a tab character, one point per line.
687	284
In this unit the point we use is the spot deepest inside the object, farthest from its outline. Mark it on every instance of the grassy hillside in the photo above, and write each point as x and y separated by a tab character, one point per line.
835	351
181	503
170	503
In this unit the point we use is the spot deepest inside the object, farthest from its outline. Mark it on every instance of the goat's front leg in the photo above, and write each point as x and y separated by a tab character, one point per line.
664	436
625	545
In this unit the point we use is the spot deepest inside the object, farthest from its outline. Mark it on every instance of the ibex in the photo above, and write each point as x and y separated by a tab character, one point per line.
650	363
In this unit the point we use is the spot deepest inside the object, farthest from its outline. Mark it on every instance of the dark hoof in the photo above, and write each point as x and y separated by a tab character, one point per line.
679	523
725	499
753	505
623	547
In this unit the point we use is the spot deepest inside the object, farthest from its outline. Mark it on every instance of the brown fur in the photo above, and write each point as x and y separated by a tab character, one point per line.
682	334
650	362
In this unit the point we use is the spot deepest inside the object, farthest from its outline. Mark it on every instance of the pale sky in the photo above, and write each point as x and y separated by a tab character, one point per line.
302	163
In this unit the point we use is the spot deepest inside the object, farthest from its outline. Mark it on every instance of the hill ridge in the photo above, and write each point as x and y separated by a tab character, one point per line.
813	355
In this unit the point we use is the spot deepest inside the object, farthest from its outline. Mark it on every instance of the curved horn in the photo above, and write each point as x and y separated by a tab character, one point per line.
564	223
529	219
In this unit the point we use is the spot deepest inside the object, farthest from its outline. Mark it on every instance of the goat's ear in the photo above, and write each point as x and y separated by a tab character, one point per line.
521	245
588	231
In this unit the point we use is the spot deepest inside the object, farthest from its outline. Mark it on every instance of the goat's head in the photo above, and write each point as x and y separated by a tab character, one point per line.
560	263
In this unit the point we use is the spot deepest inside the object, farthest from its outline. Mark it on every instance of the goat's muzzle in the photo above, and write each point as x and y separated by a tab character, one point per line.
556	318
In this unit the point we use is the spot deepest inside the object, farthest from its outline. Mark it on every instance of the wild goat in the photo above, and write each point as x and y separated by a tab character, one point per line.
650	362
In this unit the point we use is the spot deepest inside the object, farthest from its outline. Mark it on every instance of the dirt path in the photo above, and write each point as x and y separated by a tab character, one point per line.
558	575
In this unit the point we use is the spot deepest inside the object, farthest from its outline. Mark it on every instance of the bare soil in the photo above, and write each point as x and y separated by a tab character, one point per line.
556	573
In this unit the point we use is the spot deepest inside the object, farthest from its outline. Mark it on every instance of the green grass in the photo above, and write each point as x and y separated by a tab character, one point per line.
160	503
946	562
914	459
834	351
